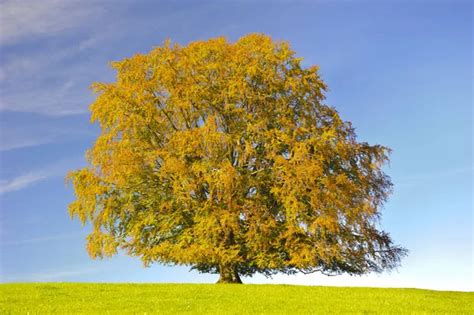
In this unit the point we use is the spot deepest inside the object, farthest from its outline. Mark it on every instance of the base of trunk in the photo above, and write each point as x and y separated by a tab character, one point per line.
229	275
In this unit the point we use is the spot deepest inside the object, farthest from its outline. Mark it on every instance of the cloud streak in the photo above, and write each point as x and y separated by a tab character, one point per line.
22	181
28	18
53	78
61	92
33	177
57	101
6	145
40	239
51	275
38	130
34	63
421	178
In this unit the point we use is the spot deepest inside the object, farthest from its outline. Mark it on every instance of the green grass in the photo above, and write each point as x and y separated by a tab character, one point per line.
76	298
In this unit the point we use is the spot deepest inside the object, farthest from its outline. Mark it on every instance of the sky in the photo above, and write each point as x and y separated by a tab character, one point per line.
400	71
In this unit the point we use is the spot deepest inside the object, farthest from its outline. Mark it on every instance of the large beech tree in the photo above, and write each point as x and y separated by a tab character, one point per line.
223	157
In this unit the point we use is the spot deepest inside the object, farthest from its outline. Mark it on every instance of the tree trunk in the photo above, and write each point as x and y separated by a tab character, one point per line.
228	274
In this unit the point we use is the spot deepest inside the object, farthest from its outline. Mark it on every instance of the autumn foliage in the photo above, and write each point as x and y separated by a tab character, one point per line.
223	157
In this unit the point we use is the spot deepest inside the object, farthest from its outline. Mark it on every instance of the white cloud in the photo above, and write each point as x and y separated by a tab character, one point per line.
51	275
33	63
417	179
39	131
48	81
22	181
8	145
40	239
26	18
33	177
70	97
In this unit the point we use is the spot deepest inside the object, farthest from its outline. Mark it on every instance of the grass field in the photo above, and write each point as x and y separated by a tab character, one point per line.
75	298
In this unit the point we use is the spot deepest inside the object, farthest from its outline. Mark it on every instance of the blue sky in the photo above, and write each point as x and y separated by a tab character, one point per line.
400	71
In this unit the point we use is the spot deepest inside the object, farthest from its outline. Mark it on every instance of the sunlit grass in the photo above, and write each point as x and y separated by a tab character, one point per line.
76	298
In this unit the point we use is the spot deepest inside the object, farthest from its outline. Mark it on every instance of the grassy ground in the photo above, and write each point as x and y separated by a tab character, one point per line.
72	298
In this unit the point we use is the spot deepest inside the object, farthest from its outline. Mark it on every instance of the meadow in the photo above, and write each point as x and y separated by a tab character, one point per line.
95	298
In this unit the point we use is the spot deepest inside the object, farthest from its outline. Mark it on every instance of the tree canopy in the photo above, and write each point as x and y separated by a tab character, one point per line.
224	157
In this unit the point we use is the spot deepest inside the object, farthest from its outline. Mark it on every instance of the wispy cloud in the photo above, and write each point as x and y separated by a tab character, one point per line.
8	145
41	239
68	98
33	177
27	18
53	78
34	63
61	92
37	130
77	41
22	181
50	274
421	178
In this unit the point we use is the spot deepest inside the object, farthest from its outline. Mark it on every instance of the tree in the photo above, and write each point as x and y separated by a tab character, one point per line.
223	157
